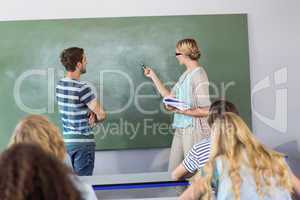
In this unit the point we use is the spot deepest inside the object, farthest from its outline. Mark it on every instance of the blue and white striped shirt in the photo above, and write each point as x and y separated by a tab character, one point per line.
197	156
72	97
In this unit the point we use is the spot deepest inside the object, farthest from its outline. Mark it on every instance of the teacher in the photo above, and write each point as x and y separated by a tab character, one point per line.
193	88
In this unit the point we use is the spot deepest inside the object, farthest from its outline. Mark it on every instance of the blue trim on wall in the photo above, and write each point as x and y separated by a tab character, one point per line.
140	185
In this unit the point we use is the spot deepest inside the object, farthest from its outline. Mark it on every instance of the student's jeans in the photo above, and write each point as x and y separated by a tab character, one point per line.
82	158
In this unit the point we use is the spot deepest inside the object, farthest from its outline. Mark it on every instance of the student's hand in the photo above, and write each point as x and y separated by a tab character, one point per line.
102	117
195	190
148	72
92	119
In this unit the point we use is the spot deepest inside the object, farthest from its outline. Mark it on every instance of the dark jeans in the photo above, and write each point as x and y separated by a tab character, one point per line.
82	157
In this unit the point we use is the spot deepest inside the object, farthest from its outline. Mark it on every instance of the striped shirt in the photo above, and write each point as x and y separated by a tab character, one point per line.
72	98
197	156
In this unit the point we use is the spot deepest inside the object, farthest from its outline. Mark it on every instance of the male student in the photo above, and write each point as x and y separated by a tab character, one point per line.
199	153
79	110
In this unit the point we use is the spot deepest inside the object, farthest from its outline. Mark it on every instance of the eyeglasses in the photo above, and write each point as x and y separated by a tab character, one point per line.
178	54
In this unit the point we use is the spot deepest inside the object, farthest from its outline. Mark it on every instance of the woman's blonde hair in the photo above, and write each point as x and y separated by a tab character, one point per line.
39	130
234	143
189	48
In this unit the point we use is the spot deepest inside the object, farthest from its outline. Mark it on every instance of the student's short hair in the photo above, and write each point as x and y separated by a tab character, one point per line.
28	172
37	129
189	47
70	57
218	108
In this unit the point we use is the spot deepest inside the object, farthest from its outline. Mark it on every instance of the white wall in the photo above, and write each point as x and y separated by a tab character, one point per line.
274	38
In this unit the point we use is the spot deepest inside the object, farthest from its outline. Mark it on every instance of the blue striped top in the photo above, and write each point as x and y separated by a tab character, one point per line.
197	156
72	98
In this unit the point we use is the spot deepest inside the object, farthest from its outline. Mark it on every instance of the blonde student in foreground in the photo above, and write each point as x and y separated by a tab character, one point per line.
240	167
37	129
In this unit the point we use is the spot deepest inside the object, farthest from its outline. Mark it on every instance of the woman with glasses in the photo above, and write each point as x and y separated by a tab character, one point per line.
192	87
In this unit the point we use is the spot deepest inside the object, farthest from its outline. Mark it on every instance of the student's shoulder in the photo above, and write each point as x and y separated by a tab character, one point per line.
203	143
83	85
202	146
87	88
70	82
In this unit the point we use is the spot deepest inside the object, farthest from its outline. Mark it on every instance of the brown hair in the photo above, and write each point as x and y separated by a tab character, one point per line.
189	48
218	108
70	57
27	172
39	130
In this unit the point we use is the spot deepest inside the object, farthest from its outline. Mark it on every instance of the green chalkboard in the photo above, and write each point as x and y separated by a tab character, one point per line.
115	48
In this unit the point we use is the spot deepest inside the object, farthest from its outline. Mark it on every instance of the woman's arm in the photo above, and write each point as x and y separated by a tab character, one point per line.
196	112
200	96
163	91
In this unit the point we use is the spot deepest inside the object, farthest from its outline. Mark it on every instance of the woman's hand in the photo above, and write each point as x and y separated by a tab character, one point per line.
183	112
163	91
170	108
175	110
148	72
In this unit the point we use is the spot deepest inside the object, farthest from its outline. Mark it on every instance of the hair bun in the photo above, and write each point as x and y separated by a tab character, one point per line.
195	55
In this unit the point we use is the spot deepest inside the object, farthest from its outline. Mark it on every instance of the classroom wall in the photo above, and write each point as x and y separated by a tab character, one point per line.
274	47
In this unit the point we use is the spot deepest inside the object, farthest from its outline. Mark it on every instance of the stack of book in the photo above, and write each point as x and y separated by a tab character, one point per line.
176	103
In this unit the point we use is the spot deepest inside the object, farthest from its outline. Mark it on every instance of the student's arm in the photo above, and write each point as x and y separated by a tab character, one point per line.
88	98
194	191
163	91
188	167
296	184
96	108
180	172
194	160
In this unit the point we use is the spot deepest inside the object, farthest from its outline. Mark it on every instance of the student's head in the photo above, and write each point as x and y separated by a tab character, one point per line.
74	59
218	108
236	146
187	49
39	130
27	172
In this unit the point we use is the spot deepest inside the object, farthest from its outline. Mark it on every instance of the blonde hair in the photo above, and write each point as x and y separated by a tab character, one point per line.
234	143
39	130
189	48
